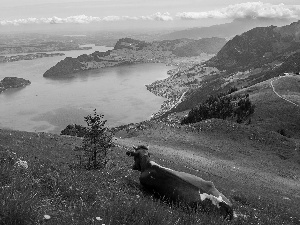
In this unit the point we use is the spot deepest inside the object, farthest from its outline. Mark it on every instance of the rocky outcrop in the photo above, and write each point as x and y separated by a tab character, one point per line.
12	82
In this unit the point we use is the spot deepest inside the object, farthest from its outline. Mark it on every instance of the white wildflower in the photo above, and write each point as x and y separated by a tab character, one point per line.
21	163
47	217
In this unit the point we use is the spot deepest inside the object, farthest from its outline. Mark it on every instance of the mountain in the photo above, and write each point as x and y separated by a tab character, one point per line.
252	57
259	55
270	49
196	47
128	50
227	30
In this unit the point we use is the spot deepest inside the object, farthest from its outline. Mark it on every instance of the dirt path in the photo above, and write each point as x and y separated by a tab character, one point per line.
218	169
279	94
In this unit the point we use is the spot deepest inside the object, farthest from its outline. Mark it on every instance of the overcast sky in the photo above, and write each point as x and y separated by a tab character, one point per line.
155	13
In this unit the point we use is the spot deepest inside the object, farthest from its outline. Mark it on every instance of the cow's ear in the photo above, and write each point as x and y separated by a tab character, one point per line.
130	153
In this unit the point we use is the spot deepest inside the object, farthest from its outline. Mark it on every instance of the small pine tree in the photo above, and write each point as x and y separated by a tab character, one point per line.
96	142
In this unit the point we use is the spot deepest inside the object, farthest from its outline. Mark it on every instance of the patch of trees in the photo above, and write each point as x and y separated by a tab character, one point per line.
12	82
67	66
222	106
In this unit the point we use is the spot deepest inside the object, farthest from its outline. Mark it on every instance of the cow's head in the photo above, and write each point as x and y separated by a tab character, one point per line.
141	157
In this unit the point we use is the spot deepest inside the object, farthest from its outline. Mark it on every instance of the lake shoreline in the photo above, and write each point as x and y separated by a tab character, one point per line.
49	105
43	120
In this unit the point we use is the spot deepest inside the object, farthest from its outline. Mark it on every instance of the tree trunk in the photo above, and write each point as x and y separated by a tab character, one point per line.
95	158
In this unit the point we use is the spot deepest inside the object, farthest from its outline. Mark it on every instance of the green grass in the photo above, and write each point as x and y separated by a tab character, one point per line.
73	196
78	197
272	112
113	194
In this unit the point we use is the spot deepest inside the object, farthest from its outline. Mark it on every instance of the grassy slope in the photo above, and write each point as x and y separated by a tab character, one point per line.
272	112
70	196
289	87
240	160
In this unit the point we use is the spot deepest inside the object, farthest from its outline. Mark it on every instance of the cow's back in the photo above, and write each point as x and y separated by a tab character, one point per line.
178	185
168	184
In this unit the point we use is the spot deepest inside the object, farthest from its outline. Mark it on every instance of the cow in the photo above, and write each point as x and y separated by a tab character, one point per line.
178	186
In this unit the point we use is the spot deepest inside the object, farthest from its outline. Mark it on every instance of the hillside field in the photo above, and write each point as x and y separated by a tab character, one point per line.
244	162
272	111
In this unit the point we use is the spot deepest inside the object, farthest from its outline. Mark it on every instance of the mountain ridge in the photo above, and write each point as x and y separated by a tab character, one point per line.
256	56
226	30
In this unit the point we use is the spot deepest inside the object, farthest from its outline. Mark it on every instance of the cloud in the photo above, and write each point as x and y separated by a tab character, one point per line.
83	19
159	17
247	10
154	17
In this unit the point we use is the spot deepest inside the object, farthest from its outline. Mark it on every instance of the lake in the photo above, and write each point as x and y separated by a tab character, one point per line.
49	105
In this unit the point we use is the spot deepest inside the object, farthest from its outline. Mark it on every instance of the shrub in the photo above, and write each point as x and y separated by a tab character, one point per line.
283	133
74	130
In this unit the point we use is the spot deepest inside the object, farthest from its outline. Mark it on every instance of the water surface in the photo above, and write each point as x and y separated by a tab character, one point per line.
49	105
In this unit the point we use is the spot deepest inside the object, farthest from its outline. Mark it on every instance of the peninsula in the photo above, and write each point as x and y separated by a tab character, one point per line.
12	82
129	51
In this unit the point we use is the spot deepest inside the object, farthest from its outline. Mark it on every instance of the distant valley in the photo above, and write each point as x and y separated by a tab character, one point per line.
28	57
37	46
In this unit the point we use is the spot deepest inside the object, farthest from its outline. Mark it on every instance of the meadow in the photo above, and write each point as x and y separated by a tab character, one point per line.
52	190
